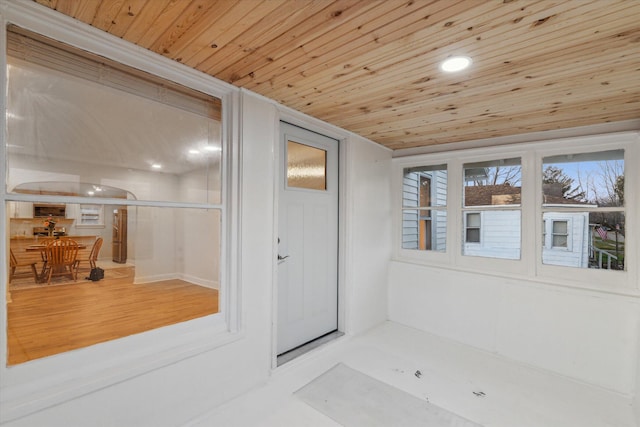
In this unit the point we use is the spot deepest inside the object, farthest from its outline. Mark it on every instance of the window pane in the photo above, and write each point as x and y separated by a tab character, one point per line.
473	235
589	179
115	126
473	220
497	237
306	166
424	232
586	240
559	241
560	234
161	267
492	183
425	186
559	227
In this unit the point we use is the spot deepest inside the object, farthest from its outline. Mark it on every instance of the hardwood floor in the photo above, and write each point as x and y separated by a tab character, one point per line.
49	320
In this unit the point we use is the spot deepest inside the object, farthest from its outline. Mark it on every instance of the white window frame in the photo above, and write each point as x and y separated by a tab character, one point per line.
548	234
56	379
473	262
530	266
441	257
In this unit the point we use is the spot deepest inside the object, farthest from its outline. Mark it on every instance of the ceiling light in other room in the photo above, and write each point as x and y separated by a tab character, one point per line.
156	166
211	148
455	63
194	152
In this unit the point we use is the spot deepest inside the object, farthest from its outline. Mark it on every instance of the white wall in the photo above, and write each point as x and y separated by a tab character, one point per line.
588	336
369	224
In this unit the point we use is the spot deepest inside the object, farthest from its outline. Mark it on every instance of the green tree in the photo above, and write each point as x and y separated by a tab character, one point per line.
555	175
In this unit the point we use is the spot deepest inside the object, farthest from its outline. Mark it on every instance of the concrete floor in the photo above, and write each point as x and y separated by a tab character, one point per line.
471	383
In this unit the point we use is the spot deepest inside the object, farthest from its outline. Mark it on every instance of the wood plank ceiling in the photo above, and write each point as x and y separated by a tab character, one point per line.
371	66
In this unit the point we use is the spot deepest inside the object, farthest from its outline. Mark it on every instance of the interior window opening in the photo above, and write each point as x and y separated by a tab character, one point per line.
115	200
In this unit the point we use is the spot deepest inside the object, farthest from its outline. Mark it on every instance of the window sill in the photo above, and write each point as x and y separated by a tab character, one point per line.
545	279
31	387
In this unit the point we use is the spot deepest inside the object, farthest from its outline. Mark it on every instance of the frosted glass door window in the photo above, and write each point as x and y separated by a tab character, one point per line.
306	166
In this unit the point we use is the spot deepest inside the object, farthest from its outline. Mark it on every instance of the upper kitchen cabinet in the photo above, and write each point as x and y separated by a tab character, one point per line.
20	210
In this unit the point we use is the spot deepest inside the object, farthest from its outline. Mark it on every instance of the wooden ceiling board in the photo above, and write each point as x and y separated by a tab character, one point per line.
127	14
601	78
256	38
241	17
141	23
415	65
323	24
350	58
304	54
199	35
372	66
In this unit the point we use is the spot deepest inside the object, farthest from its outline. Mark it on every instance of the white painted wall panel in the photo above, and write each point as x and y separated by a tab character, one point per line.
586	336
369	221
451	305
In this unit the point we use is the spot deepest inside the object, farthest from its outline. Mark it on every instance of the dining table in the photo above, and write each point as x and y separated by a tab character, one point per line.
41	248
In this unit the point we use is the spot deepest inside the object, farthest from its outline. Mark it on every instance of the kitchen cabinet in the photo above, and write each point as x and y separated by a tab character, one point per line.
72	211
20	210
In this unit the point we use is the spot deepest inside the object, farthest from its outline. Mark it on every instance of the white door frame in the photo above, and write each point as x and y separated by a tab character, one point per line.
314	125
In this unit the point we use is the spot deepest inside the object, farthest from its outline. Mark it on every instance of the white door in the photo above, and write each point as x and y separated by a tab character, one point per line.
308	237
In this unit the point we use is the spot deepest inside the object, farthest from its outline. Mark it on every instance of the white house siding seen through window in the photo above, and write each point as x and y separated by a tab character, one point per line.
585	191
492	189
424	208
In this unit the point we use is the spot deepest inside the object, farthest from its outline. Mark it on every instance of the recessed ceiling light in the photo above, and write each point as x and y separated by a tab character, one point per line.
455	63
156	166
91	193
194	151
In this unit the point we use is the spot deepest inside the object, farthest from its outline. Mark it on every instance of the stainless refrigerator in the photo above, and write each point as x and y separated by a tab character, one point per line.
120	235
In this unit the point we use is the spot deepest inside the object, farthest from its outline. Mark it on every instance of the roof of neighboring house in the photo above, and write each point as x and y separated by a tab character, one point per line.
484	195
505	194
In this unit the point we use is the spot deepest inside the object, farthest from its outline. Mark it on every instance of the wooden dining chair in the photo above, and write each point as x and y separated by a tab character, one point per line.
93	255
60	259
15	264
